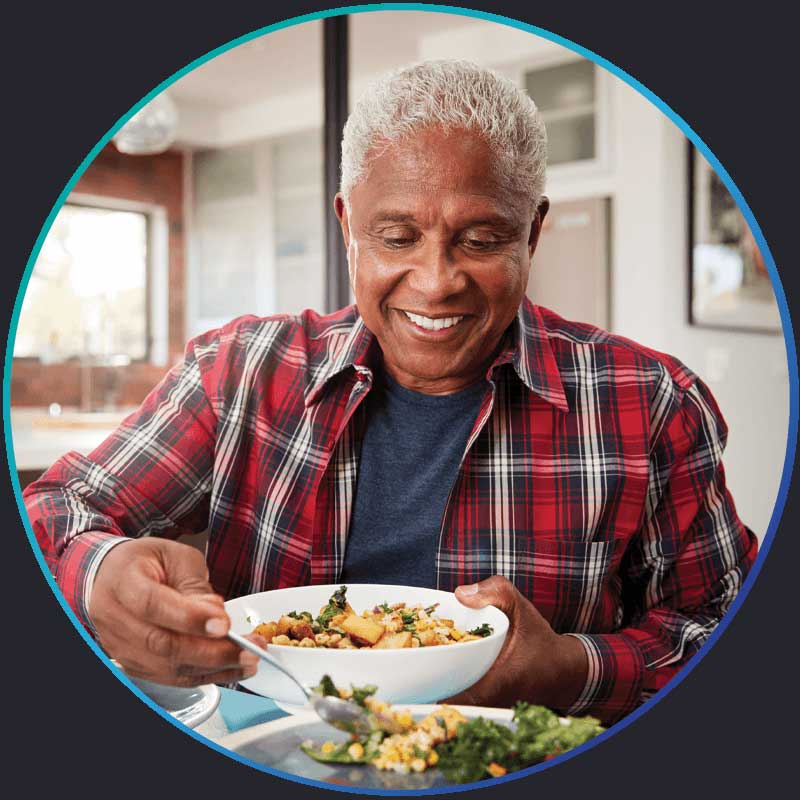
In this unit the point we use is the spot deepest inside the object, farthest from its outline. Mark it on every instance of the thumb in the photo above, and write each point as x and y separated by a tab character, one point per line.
495	591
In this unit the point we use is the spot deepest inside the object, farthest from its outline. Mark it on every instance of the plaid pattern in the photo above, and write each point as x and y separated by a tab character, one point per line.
592	479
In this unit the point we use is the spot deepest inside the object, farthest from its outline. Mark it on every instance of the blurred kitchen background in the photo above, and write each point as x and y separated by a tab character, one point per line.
230	218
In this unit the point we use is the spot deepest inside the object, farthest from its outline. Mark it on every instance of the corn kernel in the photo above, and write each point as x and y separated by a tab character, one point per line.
328	747
418	764
356	750
404	718
433	758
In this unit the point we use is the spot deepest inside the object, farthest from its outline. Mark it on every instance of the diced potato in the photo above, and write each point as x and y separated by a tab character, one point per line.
392	641
364	632
285	624
301	630
428	638
267	630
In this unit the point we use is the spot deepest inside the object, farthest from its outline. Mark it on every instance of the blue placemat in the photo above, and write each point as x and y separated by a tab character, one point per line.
242	710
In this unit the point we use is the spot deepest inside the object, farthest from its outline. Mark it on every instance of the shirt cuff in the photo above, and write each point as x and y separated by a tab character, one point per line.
615	679
78	566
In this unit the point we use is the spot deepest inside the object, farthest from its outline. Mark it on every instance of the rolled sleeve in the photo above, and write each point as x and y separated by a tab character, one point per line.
615	678
77	569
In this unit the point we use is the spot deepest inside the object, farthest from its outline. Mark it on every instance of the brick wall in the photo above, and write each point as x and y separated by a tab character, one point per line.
148	179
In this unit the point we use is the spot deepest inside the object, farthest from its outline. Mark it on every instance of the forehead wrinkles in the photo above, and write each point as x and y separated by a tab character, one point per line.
427	205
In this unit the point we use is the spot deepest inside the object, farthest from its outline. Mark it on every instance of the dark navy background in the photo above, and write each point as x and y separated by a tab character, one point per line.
69	72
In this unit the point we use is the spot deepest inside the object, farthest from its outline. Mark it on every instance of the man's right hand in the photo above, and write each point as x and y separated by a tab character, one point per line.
156	614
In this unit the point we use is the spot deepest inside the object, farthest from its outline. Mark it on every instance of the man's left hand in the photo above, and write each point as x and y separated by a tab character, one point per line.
536	664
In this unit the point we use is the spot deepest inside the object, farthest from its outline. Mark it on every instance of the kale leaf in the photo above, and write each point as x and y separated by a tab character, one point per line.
482	630
336	604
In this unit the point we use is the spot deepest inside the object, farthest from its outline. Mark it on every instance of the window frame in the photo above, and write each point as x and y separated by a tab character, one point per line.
156	274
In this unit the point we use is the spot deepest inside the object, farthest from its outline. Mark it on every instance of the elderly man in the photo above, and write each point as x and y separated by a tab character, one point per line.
443	432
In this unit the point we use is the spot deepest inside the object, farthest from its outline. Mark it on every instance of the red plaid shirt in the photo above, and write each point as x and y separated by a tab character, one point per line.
592	479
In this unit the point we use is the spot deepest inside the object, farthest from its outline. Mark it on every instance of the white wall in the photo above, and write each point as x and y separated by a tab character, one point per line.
746	372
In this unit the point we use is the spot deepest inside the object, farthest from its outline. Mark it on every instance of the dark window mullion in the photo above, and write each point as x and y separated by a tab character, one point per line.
335	57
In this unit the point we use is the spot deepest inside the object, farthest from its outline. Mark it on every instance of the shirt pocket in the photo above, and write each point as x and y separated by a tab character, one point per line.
572	583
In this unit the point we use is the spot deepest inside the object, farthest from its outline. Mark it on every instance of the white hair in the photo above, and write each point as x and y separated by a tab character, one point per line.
453	95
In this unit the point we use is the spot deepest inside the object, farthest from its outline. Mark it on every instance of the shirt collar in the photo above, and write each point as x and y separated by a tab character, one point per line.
526	347
347	343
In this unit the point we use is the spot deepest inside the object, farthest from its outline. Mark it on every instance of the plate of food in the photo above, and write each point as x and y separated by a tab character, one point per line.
420	645
426	746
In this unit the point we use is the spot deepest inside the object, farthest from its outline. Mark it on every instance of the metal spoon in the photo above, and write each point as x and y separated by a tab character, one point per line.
336	712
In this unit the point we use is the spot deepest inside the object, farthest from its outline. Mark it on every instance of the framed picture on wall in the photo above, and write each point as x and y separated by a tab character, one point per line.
729	286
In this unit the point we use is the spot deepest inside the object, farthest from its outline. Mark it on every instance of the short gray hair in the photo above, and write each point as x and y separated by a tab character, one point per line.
453	95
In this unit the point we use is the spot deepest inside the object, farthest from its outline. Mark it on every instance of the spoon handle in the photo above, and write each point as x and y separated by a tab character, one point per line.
246	644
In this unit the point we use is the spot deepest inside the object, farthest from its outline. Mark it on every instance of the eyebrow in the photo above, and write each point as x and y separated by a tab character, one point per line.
393	216
399	216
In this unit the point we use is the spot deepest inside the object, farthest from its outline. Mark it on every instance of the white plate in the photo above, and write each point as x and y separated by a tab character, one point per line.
189	706
276	745
409	675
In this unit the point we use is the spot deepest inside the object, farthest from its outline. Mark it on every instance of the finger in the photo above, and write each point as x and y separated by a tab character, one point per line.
495	591
128	637
186	570
165	607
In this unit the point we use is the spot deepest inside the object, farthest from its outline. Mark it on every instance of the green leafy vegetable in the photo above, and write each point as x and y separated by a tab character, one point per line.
539	734
361	693
340	755
306	615
482	630
479	742
326	687
336	604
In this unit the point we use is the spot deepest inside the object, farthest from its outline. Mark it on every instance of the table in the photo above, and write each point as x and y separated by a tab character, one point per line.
238	710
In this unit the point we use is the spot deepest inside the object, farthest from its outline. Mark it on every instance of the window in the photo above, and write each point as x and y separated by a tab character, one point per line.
87	296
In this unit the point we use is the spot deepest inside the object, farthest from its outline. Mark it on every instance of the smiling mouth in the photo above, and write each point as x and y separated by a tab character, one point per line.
433	324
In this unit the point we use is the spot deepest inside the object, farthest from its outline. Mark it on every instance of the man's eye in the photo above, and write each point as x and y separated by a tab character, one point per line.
396	242
480	244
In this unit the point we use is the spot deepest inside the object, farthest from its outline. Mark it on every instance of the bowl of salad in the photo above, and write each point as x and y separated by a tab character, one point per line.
420	645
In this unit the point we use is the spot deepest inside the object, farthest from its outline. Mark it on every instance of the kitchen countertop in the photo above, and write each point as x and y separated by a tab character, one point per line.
39	439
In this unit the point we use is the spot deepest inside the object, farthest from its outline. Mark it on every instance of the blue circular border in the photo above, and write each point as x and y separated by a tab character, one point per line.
791	357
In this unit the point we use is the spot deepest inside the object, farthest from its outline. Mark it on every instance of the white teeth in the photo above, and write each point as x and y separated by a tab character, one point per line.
433	324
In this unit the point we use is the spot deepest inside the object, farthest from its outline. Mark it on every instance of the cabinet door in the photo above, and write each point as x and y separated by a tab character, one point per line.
570	272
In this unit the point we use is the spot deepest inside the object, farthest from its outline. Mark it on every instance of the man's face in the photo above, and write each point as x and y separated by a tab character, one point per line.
439	255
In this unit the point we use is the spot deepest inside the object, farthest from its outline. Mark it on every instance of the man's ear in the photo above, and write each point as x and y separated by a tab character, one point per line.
340	209
536	225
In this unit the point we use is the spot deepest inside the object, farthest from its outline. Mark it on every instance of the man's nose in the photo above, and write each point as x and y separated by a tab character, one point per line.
436	273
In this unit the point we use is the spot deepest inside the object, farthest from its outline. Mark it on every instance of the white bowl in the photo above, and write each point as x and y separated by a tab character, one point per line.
407	675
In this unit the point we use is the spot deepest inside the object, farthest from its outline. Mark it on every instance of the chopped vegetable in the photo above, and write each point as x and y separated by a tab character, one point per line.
464	750
482	630
385	627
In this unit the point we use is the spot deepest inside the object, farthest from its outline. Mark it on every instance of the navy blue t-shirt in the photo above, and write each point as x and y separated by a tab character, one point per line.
410	453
